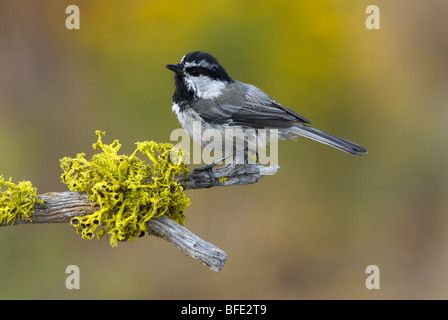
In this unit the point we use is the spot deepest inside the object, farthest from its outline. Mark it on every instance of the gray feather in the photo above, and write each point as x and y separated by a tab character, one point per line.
242	104
245	106
323	137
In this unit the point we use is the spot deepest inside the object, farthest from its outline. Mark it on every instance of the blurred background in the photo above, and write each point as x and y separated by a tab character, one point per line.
308	232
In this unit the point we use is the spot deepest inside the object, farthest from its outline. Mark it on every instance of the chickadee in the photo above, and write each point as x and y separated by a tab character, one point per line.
206	93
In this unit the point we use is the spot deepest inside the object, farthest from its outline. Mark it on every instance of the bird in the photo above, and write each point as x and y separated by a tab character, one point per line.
205	94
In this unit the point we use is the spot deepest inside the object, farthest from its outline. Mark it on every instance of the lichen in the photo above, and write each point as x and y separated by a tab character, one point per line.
223	179
17	201
129	191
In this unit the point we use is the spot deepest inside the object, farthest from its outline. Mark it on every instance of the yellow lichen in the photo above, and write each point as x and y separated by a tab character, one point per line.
17	201
129	191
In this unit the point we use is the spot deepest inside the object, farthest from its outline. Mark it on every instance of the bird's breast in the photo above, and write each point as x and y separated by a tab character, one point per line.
190	121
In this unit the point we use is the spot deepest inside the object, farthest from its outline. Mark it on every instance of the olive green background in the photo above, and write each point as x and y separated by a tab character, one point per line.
308	232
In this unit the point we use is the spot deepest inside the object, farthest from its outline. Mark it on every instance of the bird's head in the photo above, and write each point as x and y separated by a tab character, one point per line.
198	76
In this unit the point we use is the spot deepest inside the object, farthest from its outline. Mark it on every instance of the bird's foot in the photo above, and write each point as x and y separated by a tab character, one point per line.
209	167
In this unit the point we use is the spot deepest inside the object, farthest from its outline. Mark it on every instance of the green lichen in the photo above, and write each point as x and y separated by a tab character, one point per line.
223	179
129	191
17	201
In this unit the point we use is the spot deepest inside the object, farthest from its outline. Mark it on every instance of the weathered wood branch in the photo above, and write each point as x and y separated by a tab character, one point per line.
61	207
227	176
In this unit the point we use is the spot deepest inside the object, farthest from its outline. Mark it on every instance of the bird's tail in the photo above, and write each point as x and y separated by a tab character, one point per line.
326	138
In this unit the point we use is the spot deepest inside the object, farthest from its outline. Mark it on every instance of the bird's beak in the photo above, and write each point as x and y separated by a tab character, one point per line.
175	67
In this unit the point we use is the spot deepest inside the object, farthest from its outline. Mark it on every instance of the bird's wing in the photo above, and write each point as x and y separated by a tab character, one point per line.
241	104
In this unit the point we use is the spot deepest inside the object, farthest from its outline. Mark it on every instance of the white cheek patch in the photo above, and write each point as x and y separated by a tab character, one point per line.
204	87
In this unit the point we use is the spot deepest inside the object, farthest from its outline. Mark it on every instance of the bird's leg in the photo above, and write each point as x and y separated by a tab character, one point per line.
209	167
257	158
246	155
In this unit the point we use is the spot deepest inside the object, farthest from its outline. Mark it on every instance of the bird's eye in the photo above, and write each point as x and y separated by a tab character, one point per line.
194	71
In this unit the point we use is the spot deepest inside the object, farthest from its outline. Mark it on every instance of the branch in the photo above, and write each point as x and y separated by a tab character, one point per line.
227	176
61	207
